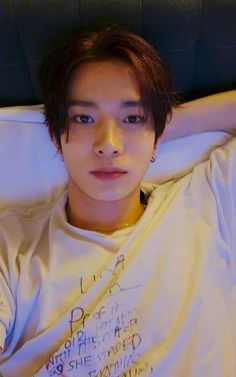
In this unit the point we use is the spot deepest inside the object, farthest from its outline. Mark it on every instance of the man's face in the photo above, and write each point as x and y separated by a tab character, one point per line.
110	141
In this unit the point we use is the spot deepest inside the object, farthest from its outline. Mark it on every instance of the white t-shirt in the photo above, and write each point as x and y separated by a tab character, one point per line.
156	299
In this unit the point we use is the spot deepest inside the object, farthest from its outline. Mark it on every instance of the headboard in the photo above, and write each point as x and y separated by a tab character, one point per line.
197	38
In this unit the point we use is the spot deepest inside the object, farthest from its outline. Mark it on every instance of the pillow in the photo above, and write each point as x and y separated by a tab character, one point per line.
30	169
32	172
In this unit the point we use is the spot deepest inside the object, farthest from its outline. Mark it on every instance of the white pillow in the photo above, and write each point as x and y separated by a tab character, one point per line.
32	172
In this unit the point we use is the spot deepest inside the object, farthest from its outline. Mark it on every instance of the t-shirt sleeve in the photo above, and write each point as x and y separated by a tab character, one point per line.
7	306
221	173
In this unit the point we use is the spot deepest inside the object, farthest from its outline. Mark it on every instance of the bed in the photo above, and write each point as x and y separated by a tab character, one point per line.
197	39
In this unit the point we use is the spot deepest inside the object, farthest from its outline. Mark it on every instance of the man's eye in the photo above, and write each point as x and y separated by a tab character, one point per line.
83	118
134	119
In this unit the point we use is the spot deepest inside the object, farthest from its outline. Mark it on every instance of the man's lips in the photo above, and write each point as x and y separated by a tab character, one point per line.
108	173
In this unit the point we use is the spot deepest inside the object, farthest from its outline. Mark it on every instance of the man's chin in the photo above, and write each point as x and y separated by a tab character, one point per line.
108	197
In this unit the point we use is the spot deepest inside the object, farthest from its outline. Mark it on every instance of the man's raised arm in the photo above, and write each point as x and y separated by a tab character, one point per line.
216	112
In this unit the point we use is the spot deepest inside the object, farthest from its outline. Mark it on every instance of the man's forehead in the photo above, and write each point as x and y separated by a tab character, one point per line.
103	81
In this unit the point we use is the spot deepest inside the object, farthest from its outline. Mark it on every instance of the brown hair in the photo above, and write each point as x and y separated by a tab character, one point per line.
109	44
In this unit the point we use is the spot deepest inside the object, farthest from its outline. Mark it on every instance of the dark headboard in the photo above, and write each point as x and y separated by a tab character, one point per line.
197	38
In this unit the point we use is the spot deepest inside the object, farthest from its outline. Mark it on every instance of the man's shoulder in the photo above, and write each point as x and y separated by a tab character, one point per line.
24	223
26	213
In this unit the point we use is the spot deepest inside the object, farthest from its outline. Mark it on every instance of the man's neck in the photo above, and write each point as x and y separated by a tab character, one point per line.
104	216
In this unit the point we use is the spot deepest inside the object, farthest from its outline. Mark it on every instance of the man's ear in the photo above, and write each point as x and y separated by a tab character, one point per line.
58	147
157	143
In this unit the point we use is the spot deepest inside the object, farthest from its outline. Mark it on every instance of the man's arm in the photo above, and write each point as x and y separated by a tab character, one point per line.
216	112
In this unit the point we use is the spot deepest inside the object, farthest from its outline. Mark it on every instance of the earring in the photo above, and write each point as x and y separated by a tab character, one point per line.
62	158
154	157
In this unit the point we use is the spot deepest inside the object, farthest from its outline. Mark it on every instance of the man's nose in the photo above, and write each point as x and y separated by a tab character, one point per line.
108	139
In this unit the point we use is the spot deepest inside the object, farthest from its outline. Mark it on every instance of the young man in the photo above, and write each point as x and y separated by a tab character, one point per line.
121	278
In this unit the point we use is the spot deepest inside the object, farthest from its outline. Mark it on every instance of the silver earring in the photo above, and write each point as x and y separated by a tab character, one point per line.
62	158
154	157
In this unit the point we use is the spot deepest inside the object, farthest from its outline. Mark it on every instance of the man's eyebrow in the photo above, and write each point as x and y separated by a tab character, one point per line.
131	103
83	103
86	103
